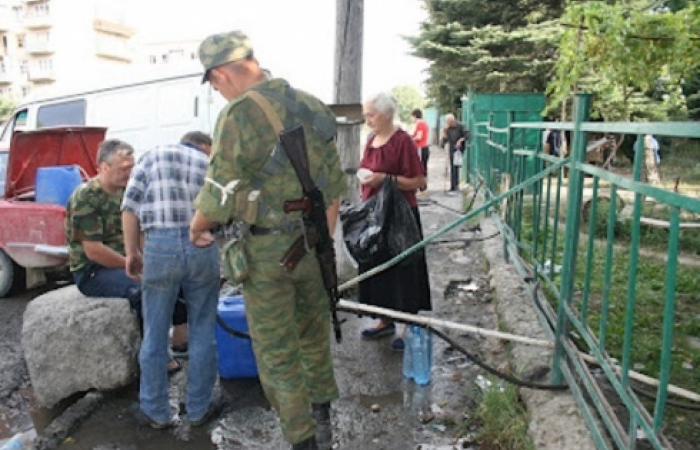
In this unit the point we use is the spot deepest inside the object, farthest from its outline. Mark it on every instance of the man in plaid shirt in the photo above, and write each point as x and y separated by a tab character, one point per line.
159	202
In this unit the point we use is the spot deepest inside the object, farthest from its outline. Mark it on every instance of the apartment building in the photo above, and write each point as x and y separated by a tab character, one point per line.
43	41
157	54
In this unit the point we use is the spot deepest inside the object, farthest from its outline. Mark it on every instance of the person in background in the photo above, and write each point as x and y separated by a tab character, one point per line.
96	241
552	142
456	135
287	311
392	152
159	202
420	137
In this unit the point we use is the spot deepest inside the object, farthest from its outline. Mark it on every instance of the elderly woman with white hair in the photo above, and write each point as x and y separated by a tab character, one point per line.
390	151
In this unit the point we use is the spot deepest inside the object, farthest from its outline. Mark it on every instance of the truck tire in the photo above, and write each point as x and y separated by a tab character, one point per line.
12	276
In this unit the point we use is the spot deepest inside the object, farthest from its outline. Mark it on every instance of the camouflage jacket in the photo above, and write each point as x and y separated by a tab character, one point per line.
243	141
92	214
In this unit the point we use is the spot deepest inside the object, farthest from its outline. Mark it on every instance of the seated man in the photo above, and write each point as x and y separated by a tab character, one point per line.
95	240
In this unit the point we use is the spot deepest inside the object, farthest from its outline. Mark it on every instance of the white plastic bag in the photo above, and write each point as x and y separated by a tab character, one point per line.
457	158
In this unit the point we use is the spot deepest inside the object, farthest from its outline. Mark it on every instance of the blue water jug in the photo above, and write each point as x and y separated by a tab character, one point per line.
421	349
55	184
236	359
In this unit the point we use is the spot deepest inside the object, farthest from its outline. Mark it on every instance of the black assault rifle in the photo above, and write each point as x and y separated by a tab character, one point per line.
313	207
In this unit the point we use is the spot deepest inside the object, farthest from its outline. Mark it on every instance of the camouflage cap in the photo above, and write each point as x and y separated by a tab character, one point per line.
222	48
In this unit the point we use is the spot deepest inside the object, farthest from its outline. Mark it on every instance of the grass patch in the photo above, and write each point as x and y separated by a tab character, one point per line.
503	419
648	319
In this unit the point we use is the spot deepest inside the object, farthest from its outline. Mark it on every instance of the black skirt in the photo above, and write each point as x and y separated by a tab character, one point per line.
404	287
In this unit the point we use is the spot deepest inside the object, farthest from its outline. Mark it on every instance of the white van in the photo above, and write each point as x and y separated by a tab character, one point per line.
145	112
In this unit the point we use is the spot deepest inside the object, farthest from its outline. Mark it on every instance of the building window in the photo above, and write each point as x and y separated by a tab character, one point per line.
40	10
17	11
45	64
20	41
152	59
23	67
25	91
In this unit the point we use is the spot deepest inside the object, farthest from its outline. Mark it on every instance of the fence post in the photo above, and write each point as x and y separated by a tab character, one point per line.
506	174
573	217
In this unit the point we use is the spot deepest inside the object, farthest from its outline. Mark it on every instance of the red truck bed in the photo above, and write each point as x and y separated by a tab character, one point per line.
32	234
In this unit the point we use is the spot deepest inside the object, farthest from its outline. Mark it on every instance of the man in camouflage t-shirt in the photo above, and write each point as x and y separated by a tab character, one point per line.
288	312
94	233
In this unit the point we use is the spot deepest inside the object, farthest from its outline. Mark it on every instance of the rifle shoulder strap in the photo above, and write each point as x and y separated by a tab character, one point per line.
276	160
266	107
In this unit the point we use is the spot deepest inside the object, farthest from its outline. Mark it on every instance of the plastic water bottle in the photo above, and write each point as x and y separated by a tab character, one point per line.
422	354
408	355
20	441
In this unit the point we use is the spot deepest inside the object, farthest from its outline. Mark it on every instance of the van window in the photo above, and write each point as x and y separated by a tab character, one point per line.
58	114
17	122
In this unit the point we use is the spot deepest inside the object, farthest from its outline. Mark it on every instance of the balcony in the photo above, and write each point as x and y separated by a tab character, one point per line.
37	22
39	47
6	76
114	49
5	21
111	26
37	75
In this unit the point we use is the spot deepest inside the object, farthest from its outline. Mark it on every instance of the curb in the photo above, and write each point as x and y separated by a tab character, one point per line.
555	420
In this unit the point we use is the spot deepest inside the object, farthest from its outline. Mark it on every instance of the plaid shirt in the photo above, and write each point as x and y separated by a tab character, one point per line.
164	184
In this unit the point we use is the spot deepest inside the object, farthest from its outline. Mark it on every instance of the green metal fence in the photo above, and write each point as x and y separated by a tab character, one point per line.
551	244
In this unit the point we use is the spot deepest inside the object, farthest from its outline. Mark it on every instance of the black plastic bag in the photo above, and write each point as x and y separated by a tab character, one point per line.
363	227
381	227
401	227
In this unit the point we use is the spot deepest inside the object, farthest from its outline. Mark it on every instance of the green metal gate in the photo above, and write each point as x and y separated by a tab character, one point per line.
546	239
498	111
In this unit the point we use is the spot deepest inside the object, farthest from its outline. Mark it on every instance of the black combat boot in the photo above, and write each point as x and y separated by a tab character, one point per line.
324	430
309	444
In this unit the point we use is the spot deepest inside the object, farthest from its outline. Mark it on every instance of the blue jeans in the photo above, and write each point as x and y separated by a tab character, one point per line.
95	280
171	263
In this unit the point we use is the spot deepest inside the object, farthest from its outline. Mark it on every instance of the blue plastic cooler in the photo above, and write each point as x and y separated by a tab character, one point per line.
236	359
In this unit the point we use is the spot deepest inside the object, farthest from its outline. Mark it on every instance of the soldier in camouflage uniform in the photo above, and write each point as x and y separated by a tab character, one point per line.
94	233
248	181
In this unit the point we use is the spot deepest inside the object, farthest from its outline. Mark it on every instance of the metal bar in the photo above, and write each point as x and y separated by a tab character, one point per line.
670	129
548	204
555	226
607	283
592	222
632	273
663	195
508	171
568	273
669	316
628	398
605	411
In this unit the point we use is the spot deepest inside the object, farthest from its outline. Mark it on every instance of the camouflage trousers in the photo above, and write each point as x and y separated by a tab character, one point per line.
289	321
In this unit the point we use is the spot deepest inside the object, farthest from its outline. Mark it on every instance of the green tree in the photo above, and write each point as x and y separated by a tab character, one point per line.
6	107
499	45
632	54
409	98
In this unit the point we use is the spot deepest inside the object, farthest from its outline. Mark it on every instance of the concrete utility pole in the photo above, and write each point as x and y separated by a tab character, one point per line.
347	83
